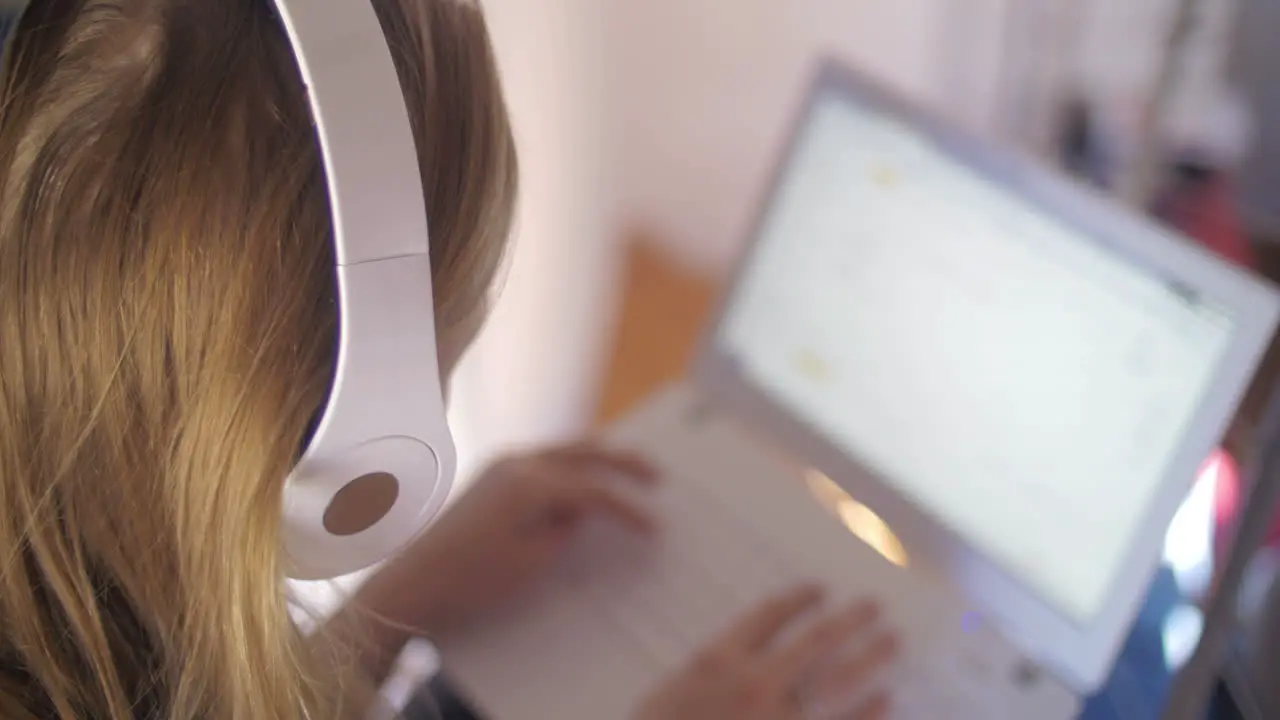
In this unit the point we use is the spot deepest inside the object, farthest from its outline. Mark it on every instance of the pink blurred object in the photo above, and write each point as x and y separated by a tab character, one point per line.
1206	212
1223	470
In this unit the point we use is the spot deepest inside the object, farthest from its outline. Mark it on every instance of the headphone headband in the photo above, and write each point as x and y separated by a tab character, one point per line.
385	417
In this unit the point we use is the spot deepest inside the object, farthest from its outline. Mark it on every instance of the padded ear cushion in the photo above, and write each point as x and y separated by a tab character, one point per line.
362	503
318	547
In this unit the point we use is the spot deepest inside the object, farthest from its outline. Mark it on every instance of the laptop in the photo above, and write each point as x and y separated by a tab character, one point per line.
1001	383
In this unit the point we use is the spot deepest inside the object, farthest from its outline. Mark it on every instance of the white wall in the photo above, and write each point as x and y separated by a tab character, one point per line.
533	374
666	113
701	92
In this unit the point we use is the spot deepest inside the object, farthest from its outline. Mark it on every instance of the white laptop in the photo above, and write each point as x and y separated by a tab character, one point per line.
1004	384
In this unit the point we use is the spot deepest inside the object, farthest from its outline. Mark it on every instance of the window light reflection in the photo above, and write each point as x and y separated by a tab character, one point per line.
860	519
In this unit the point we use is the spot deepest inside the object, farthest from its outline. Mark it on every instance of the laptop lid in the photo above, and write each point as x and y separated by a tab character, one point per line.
1020	377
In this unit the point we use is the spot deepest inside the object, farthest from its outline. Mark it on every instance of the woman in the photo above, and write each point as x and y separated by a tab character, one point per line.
168	320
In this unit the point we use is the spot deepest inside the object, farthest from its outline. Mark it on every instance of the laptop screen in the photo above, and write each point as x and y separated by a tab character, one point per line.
1014	379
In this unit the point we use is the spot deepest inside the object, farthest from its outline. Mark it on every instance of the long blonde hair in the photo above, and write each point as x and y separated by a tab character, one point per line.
167	330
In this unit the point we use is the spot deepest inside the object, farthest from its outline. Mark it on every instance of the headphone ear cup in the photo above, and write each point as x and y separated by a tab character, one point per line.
361	504
346	510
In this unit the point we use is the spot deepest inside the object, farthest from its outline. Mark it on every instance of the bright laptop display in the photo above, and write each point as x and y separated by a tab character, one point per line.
986	359
1009	372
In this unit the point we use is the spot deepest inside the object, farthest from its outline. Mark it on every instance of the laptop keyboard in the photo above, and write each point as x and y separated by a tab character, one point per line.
736	526
674	594
670	596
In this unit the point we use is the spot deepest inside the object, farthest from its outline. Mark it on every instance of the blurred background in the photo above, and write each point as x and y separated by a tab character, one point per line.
646	130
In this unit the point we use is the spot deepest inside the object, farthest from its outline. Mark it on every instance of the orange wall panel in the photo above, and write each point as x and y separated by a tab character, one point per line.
664	310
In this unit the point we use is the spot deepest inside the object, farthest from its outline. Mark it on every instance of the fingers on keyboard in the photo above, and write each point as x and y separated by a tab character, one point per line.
762	626
825	638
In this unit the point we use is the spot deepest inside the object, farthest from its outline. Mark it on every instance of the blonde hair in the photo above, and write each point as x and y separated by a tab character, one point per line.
168	325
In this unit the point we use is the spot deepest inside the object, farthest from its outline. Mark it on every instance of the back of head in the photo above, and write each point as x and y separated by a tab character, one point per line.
168	322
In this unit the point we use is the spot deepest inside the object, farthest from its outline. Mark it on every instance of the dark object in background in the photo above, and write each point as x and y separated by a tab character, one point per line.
1201	201
8	20
1255	55
1081	147
1223	705
437	700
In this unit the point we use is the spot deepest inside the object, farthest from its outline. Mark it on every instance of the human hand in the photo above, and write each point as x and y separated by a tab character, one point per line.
748	675
505	533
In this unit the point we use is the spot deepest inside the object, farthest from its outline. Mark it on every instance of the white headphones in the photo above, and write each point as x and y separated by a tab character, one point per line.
385	418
